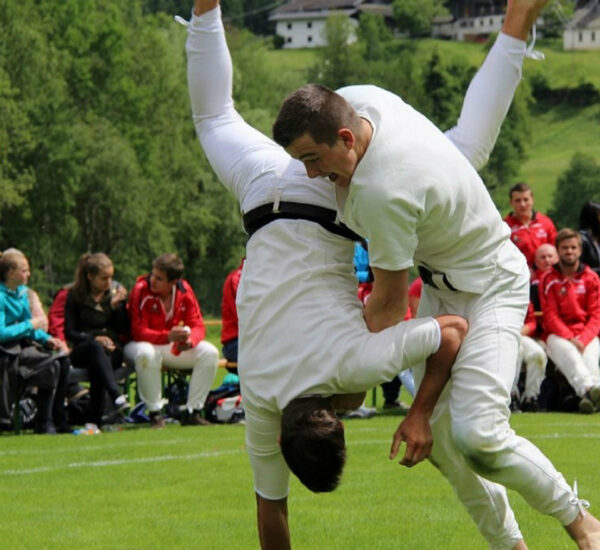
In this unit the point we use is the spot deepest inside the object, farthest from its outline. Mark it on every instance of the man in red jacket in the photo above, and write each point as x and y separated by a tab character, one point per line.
167	329
571	291
529	229
229	316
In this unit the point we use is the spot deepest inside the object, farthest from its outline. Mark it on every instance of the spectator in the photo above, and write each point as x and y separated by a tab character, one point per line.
529	229
545	257
534	361
167	328
21	334
229	317
56	314
94	323
589	229
571	321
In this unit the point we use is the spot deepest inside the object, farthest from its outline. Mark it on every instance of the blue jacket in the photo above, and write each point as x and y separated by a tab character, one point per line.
15	316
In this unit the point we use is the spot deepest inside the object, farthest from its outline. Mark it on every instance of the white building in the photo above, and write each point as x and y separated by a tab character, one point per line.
583	31
301	23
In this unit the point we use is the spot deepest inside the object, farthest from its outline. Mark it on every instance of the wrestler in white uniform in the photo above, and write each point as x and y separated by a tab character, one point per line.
301	326
415	196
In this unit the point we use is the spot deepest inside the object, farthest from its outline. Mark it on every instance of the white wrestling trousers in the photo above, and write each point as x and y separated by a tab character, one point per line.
580	370
535	359
474	445
149	359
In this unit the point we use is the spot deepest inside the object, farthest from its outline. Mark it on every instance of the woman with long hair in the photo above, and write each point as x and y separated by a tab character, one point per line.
589	229
95	321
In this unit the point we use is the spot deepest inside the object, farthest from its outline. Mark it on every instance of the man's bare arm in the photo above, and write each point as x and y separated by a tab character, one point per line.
273	530
415	430
388	302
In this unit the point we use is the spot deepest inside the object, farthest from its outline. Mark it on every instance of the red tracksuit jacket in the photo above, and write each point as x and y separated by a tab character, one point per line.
571	308
229	317
528	238
148	317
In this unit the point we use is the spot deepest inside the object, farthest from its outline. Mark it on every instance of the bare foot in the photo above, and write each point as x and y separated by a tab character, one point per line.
585	531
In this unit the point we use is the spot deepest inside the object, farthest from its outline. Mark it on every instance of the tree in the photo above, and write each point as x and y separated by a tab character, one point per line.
577	185
415	16
374	37
336	61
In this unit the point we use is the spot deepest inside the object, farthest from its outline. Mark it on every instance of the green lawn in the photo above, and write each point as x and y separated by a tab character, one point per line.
191	488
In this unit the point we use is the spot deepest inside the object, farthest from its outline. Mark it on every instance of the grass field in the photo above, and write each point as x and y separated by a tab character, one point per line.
190	488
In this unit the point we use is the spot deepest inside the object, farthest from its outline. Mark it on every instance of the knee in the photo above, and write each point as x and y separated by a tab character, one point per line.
144	356
480	442
207	355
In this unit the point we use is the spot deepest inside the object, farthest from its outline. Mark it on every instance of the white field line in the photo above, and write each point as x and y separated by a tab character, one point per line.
100	446
120	462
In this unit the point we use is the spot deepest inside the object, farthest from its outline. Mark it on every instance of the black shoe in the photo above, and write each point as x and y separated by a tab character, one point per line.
194	418
157	421
514	406
45	428
530	404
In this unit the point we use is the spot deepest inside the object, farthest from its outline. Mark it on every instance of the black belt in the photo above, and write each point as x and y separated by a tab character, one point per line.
435	279
266	213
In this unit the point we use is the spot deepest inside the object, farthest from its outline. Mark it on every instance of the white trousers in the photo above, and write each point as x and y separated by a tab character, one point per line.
535	359
580	370
474	445
149	359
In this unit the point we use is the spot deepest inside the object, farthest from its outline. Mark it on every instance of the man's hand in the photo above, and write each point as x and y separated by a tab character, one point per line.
119	294
580	347
415	431
179	334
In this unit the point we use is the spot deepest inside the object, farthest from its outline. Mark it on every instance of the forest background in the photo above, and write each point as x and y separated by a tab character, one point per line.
98	151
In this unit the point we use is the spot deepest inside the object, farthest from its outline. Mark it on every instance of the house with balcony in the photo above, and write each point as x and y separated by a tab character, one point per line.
301	23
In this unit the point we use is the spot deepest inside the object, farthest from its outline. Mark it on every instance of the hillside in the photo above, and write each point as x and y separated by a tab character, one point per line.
557	133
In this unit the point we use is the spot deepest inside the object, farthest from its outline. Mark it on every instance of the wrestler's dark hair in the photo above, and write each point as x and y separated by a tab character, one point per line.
316	110
312	443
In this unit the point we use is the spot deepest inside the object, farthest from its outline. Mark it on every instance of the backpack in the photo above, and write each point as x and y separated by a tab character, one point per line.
224	405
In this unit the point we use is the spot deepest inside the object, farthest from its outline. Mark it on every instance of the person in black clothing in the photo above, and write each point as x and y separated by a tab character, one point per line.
589	229
95	319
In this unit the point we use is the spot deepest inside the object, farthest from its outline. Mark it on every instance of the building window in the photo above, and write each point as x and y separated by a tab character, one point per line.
289	39
309	38
481	22
580	36
491	21
593	36
289	26
309	25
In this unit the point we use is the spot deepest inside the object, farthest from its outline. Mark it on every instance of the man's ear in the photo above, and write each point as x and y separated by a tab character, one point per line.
347	136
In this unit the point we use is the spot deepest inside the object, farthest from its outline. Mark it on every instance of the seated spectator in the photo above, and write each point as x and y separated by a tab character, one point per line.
229	317
167	329
534	362
95	321
529	229
21	335
570	294
589	229
545	257
56	314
